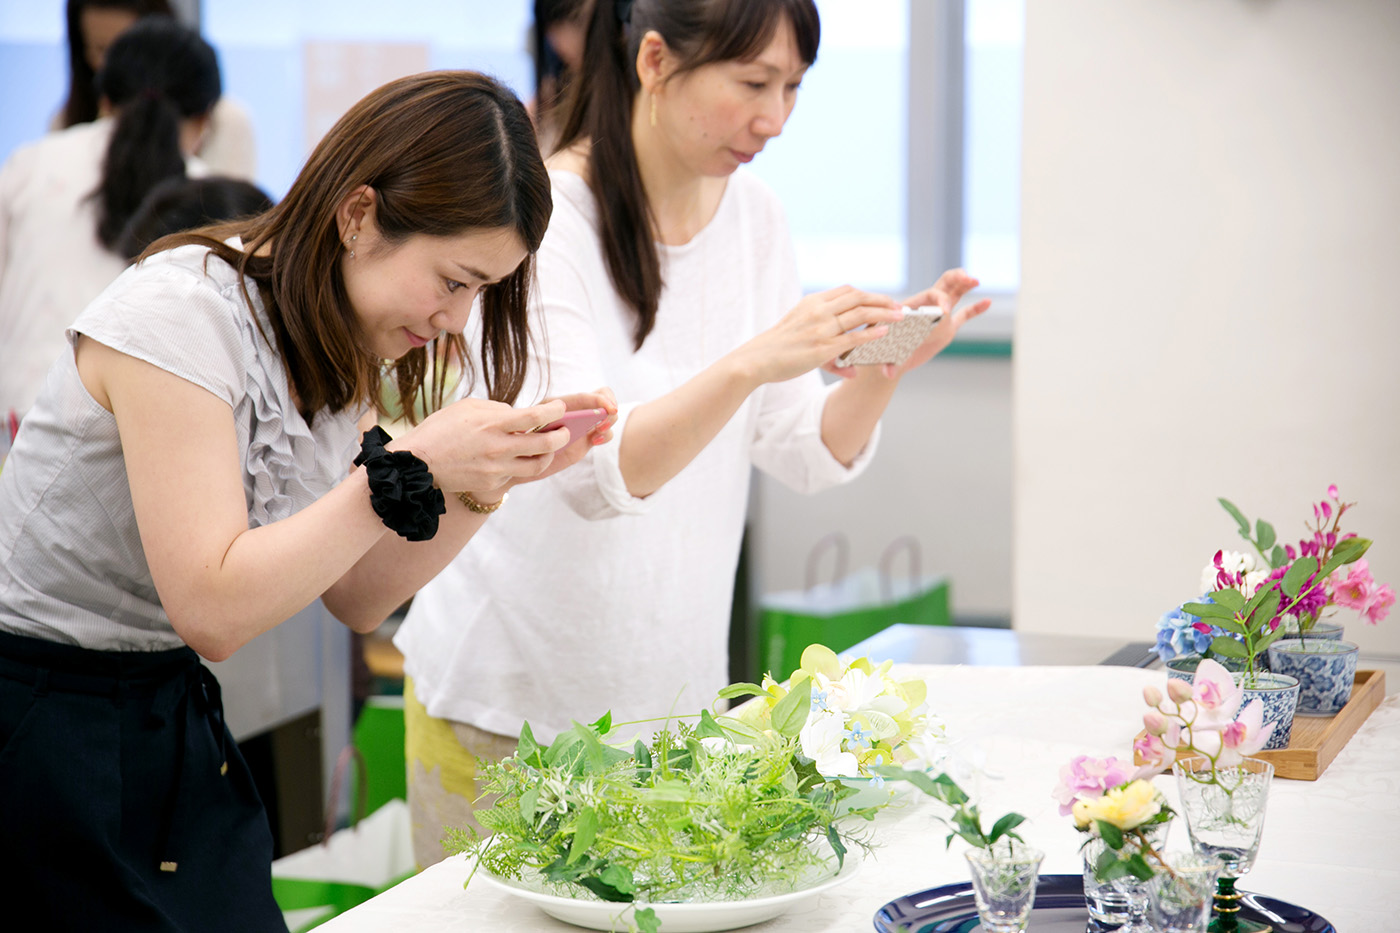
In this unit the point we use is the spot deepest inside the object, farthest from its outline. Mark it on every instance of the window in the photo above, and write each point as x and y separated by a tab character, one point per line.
901	159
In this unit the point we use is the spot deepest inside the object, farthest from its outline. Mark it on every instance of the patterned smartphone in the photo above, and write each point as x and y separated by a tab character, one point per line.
895	347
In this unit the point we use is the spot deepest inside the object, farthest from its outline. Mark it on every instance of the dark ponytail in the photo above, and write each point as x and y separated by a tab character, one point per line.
157	74
698	32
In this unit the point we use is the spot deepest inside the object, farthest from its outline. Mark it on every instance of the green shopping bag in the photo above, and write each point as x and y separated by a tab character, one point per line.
350	865
851	608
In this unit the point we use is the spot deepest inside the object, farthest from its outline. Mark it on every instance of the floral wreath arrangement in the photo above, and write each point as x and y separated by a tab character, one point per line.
859	717
689	816
1249	597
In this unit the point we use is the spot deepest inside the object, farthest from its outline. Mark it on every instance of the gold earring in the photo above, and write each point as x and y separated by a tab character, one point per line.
653	109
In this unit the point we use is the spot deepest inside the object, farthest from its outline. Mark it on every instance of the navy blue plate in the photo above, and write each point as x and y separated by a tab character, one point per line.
1059	908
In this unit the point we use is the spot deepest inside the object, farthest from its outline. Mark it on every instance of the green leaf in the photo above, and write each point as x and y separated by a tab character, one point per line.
791	712
642	754
1263	644
1230	625
613	883
708	728
1227	647
603	725
1278	558
740	690
1137	866
1232	600
1266	534
1237	515
837	846
646	920
1005	825
1346	552
1263	613
1112	836
738	731
527	749
585	831
1302	568
1208	610
527	803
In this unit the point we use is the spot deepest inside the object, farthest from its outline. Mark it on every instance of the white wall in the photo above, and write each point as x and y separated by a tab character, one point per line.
1211	229
942	474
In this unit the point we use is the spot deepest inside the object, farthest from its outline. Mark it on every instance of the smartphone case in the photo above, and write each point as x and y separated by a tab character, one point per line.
903	339
579	423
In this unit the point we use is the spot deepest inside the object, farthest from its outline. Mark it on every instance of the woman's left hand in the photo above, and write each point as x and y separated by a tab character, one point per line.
601	433
950	288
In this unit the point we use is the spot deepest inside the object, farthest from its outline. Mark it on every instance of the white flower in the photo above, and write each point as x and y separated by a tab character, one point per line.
821	742
1233	562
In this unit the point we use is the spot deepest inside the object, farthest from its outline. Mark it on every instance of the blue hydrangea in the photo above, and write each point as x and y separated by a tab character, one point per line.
1176	634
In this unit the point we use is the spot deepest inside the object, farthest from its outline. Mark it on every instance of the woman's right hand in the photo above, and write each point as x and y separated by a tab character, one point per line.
479	445
819	328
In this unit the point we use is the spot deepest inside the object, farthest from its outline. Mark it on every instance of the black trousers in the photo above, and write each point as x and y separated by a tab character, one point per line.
124	804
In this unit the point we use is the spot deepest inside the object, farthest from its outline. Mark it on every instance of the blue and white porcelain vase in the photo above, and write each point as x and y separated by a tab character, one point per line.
1279	694
1325	669
1329	630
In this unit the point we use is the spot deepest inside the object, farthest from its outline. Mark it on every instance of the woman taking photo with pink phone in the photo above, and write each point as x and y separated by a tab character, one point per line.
667	273
186	482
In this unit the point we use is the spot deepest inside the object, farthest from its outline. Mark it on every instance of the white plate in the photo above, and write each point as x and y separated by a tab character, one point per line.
690	917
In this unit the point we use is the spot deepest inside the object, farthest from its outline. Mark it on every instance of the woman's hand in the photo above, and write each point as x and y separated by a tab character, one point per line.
479	445
601	433
819	328
945	293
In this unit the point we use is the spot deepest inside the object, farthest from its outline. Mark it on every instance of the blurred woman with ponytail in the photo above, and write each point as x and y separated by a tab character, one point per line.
65	199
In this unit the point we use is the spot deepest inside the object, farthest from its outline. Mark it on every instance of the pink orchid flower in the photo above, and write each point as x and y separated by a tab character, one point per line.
1156	751
1237	740
1215	696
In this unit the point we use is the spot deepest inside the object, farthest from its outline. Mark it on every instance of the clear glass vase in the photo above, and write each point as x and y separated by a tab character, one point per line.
1120	902
1180	899
1003	884
1224	809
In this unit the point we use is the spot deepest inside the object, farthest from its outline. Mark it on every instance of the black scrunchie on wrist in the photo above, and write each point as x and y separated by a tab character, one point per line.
401	490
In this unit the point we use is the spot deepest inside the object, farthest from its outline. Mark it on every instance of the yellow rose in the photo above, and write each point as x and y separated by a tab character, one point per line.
1125	807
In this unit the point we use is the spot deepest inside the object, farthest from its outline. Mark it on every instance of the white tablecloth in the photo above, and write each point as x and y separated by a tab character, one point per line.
1331	845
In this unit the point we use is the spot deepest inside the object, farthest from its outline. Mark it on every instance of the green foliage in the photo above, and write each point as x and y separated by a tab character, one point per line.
965	821
665	821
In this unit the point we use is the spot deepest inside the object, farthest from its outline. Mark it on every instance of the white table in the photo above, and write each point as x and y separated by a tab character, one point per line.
1332	846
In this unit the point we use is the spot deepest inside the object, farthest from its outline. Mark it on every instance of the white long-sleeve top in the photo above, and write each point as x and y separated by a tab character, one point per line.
577	598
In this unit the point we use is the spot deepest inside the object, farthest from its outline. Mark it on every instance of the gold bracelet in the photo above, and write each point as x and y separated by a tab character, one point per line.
470	502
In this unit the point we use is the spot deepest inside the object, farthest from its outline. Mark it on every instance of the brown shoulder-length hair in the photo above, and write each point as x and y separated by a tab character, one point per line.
698	32
446	152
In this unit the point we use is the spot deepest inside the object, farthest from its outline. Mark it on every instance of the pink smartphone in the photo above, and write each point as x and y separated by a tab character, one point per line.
579	422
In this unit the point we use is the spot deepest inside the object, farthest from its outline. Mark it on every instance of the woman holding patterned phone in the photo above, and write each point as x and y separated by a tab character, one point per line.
666	273
184	483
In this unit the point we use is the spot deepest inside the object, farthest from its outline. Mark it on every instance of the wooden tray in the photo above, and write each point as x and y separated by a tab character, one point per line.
1316	740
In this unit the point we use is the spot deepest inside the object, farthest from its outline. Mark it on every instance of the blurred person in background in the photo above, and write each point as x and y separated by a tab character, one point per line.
65	199
557	48
178	204
92	26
